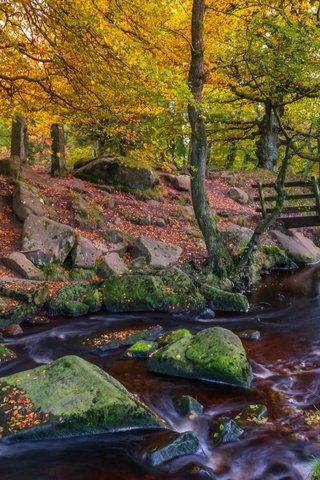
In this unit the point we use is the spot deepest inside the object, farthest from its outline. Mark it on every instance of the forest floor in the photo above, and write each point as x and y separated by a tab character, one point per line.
126	213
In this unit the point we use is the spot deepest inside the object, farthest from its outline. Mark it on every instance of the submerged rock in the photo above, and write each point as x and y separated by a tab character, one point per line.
253	413
225	430
129	337
186	405
215	354
178	446
69	397
249	334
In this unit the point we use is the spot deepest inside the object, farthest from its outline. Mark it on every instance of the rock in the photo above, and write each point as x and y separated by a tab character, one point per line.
170	290
26	202
253	413
186	405
159	222
228	177
84	254
28	291
70	397
200	472
299	248
94	300
114	236
173	336
157	253
13	330
54	241
224	301
113	172
129	337
6	355
71	300
225	430
249	334
111	264
138	263
19	264
179	182
180	445
73	308
207	314
214	354
141	349
238	195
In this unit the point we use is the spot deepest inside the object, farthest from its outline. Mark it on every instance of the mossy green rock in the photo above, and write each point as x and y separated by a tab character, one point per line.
6	354
94	300
142	349
173	336
77	398
225	301
71	300
214	354
75	309
169	291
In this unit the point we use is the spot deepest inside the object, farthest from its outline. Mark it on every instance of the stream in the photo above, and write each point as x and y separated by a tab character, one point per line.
286	364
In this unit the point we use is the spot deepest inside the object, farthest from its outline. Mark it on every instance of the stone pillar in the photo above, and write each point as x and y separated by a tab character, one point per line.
18	144
58	155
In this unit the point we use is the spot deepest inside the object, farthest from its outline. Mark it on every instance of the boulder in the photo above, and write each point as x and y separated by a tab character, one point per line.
6	354
178	445
73	300
111	264
186	405
114	172
156	252
238	195
141	349
84	254
13	330
19	264
69	397
26	202
51	241
214	354
224	301
179	182
300	249
28	291
225	430
170	291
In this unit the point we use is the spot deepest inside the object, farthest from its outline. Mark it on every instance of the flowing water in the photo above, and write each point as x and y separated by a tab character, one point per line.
286	365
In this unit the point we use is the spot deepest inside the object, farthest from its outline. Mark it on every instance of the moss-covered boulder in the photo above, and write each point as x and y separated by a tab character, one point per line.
6	354
68	397
141	349
74	300
13	311
214	354
225	301
173	336
166	290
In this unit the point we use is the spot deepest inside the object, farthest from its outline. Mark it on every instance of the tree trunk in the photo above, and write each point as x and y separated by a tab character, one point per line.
268	143
231	156
58	156
218	258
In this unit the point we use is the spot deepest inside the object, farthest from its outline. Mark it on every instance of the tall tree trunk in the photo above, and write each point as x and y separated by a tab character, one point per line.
58	156
268	143
218	258
231	156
